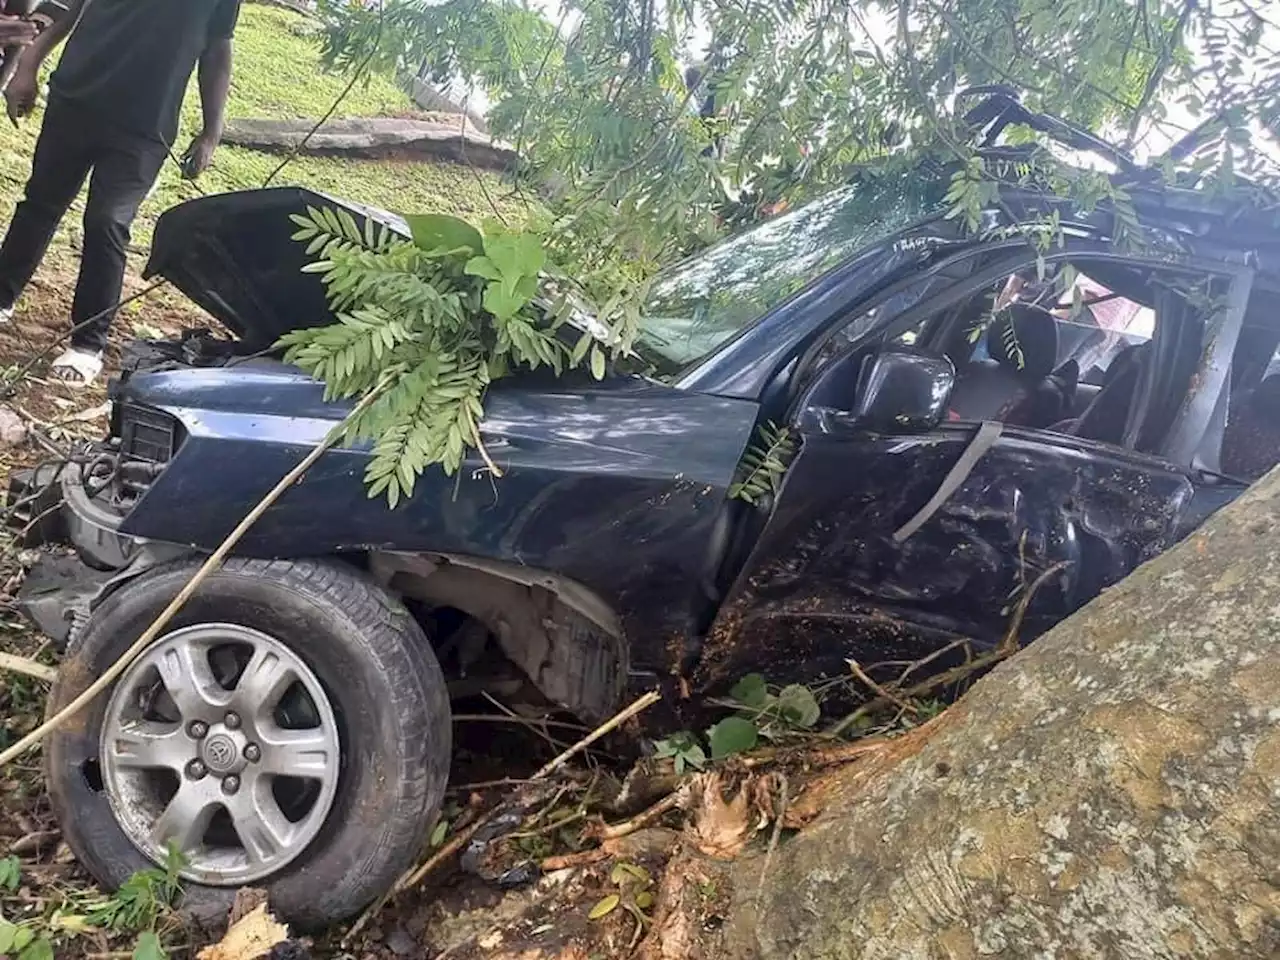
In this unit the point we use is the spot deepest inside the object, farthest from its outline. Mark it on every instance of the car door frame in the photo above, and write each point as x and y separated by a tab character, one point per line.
745	601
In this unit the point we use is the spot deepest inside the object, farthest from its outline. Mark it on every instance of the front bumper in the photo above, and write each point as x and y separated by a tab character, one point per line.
48	507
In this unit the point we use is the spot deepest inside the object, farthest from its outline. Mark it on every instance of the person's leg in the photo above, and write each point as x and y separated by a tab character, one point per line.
58	169
123	173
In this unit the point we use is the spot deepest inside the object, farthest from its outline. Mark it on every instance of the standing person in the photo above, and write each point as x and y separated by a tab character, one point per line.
112	116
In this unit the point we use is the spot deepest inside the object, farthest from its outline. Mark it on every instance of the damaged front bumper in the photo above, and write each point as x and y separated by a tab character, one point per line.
83	554
50	505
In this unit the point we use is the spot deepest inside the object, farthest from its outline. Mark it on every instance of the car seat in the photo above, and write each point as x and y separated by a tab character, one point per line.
1105	417
1017	385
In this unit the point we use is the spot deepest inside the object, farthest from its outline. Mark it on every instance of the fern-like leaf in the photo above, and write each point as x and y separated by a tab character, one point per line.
764	465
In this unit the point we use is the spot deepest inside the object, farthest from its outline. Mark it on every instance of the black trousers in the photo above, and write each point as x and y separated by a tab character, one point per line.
76	144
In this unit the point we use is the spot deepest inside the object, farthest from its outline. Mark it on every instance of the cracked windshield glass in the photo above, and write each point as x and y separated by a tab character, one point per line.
710	298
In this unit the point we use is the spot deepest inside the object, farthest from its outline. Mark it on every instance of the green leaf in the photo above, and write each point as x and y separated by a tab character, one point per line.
22	938
530	256
623	873
504	252
605	907
482	267
438	231
580	349
732	735
38	949
501	303
597	362
439	833
149	947
8	933
798	705
10	873
751	691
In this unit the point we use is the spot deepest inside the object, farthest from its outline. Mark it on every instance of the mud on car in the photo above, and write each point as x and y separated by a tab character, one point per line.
968	413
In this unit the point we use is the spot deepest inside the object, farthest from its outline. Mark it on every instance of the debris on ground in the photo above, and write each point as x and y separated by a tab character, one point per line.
13	432
253	935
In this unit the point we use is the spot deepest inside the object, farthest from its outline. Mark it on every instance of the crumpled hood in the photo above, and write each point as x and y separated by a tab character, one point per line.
233	254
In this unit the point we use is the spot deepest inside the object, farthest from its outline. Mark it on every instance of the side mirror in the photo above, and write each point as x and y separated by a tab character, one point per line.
902	391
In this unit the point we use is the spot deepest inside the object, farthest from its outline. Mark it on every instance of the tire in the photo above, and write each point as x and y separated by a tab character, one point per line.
388	697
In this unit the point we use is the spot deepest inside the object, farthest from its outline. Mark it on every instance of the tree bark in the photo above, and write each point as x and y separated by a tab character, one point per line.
1111	791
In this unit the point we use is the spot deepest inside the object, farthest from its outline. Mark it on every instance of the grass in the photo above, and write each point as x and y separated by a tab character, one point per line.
278	74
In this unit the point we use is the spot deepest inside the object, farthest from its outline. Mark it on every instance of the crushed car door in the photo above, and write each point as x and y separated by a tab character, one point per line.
1048	511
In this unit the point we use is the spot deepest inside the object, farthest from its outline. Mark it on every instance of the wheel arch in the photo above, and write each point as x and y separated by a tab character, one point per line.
566	638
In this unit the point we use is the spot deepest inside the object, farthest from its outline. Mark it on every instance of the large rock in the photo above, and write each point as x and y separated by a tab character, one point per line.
432	137
1112	791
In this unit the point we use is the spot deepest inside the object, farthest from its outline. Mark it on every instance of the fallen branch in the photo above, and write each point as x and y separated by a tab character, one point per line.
28	668
420	873
112	673
618	830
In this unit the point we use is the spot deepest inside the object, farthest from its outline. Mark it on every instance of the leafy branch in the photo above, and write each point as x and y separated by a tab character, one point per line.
764	465
442	317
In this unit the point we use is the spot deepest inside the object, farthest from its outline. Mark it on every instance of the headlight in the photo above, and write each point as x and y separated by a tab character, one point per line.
146	434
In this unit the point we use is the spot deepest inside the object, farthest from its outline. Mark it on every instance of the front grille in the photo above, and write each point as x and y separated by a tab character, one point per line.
148	434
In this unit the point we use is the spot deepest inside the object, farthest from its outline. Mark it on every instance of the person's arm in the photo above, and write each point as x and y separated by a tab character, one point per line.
53	35
20	94
214	78
215	85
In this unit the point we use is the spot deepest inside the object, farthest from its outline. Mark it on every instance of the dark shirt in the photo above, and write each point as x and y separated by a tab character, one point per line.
129	61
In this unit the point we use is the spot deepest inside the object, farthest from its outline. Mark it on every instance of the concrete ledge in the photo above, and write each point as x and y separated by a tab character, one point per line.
432	137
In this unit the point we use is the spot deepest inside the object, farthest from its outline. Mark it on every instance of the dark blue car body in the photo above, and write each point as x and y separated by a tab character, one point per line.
620	489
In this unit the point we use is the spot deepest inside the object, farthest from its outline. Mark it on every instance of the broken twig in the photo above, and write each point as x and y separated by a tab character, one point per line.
668	803
420	873
606	728
880	691
28	668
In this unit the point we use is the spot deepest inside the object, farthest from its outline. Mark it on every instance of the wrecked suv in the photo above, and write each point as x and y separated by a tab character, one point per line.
967	417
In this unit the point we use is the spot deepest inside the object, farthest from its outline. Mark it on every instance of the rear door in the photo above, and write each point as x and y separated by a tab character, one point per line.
826	579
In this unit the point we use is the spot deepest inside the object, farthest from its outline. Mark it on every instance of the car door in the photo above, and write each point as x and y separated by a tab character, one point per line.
1041	510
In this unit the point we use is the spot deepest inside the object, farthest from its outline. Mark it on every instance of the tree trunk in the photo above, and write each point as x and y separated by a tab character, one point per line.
1113	790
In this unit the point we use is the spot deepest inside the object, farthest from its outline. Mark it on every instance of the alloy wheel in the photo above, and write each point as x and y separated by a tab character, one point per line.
220	742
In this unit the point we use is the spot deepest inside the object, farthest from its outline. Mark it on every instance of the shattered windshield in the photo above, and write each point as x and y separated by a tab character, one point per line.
710	298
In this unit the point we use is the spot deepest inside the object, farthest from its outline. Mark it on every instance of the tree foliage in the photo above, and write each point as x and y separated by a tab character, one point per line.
648	128
637	166
429	324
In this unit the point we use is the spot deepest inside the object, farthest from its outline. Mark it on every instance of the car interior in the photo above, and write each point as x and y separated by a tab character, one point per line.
1104	351
1076	353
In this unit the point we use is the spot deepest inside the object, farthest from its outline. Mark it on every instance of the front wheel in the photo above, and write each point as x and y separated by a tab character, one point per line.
290	730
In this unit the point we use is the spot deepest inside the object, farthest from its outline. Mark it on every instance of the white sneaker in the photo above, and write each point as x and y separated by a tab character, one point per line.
6	314
77	368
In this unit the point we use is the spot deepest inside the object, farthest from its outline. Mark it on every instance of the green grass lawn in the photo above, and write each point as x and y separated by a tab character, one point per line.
278	74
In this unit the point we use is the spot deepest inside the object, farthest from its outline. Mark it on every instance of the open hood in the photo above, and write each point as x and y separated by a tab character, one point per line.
233	254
